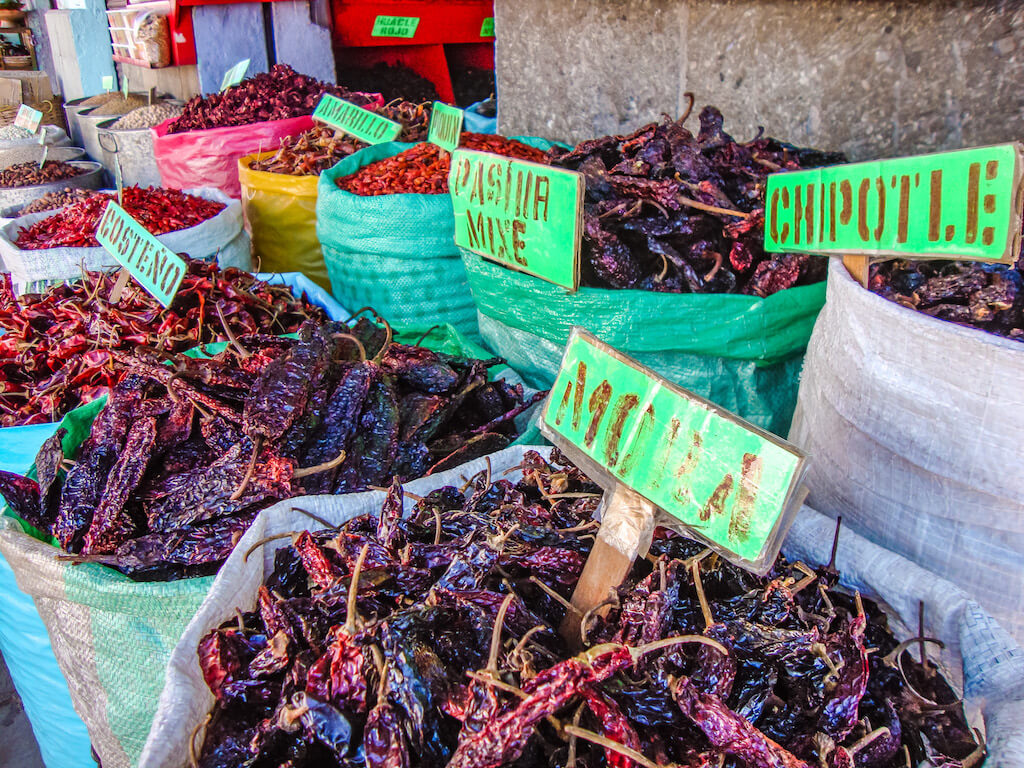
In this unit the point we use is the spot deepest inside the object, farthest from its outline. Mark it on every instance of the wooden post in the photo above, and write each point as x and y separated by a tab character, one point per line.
859	267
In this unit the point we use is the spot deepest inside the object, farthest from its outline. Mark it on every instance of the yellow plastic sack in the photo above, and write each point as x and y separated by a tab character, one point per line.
280	213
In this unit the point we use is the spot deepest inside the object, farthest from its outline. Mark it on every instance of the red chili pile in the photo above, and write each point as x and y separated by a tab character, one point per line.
275	95
62	198
158	210
424	168
29	174
55	348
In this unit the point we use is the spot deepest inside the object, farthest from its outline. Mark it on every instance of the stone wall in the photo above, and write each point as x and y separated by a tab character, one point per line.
867	77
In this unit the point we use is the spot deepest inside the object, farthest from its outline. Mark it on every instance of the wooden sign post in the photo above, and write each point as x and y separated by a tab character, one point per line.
963	205
665	455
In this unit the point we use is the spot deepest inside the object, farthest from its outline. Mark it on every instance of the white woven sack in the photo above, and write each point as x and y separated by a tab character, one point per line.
55	137
914	430
222	237
991	664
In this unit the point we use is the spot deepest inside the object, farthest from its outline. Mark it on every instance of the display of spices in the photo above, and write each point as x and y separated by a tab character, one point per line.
989	297
432	641
472	84
14	132
670	211
55	347
275	95
314	151
183	455
424	168
392	81
60	198
158	210
146	117
119	105
99	99
30	174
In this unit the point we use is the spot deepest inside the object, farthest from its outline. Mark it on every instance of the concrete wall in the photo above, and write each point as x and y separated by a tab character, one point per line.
867	77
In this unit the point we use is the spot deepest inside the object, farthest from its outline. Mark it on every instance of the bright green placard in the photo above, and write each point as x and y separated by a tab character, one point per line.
235	75
395	26
445	126
28	118
961	205
487	28
362	123
526	216
157	268
124	87
719	476
108	82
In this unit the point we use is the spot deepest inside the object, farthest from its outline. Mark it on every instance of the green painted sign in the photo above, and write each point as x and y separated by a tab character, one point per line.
108	82
235	75
28	118
157	268
362	123
395	26
487	28
728	481
526	216
445	127
960	205
124	87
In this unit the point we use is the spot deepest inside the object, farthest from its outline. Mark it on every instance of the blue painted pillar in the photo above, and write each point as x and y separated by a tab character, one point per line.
226	34
300	42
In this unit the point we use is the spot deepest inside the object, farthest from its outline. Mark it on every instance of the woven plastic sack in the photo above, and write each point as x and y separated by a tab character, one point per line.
741	352
55	137
475	121
209	158
914	425
222	238
280	215
395	253
978	653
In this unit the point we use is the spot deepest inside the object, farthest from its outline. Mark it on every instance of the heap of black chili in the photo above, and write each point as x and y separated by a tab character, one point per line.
183	456
430	641
669	211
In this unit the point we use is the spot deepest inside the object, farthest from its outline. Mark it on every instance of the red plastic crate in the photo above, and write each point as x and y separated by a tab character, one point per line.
455	21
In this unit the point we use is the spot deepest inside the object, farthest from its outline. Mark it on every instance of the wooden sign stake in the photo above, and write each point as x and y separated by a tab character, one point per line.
119	285
859	267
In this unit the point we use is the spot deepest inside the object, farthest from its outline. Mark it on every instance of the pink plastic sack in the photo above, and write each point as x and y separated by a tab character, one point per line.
209	158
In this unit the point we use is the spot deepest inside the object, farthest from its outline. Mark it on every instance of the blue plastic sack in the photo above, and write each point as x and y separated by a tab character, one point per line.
476	122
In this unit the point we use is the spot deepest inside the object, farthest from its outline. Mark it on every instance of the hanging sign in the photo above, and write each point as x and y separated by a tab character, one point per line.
28	118
362	123
487	28
952	205
395	26
155	266
526	216
445	126
235	75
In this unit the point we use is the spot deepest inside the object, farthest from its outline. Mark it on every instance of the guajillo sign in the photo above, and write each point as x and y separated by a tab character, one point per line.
962	205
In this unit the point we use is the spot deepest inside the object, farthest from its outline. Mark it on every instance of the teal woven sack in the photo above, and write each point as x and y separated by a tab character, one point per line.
395	253
742	352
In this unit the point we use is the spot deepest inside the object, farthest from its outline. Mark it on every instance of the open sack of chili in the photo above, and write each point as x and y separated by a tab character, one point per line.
669	211
423	169
184	455
57	348
431	640
314	151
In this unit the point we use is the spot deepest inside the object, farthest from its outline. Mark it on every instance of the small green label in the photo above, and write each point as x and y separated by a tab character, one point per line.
960	205
28	118
718	475
362	123
445	127
526	216
487	28
157	268
108	82
124	87
395	26
235	75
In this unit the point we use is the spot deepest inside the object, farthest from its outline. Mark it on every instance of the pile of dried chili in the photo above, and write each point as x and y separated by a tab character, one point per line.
30	174
159	210
186	451
56	348
423	169
989	297
670	211
431	640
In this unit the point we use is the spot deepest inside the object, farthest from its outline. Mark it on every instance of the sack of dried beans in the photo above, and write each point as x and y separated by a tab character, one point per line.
915	427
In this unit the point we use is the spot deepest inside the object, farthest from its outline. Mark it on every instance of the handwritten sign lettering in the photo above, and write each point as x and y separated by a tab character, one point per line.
726	480
157	268
526	216
28	118
961	205
395	26
361	123
445	126
235	75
